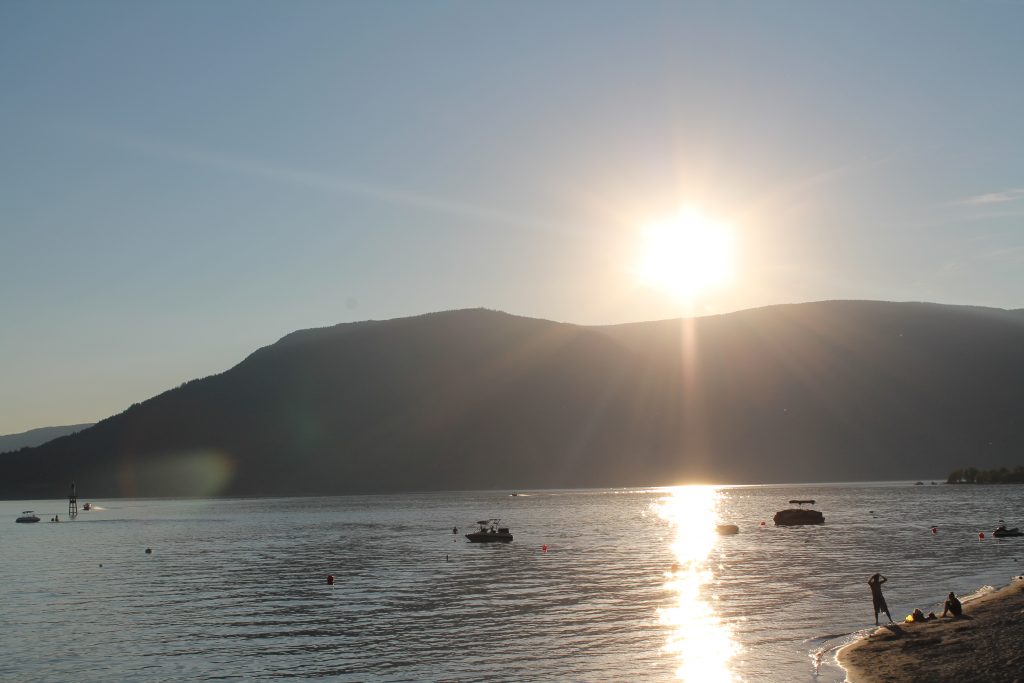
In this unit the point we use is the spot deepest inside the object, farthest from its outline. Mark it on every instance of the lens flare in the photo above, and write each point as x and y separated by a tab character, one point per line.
195	473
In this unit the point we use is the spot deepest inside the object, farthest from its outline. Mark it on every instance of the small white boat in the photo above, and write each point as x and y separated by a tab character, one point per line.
27	517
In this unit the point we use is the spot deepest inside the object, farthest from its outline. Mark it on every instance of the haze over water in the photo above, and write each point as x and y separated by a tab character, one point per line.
635	585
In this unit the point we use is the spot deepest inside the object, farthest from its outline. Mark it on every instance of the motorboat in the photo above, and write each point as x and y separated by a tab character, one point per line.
490	532
1003	532
87	507
27	517
727	529
799	515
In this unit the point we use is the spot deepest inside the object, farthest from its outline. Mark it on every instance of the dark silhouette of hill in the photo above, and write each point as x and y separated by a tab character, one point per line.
36	437
829	391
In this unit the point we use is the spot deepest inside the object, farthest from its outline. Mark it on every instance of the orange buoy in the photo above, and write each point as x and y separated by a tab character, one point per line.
330	579
981	535
544	548
762	524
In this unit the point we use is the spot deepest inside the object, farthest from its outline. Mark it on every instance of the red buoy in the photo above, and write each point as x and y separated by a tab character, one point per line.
935	529
544	548
762	523
981	535
330	579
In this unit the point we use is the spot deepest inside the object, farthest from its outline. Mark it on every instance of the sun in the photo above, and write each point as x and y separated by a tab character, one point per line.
686	255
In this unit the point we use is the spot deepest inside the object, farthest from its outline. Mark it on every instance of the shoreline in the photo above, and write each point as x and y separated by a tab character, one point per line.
984	645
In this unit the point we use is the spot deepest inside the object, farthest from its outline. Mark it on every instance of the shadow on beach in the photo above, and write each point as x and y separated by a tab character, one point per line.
897	630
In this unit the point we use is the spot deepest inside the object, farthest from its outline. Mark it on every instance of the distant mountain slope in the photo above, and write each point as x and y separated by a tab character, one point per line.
36	437
842	390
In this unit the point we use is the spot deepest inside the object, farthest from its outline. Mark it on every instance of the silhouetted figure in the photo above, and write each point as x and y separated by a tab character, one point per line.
875	582
953	606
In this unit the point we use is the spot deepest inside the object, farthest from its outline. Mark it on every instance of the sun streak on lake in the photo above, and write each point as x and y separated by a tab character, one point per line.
236	588
699	638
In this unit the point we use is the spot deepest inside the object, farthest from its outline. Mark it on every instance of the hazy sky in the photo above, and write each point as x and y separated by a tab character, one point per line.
182	183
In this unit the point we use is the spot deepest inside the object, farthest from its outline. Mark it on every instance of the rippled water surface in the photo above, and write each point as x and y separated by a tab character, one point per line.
635	584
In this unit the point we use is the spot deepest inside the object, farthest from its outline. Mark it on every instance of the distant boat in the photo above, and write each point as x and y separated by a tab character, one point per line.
514	495
798	516
27	517
87	507
1003	532
490	532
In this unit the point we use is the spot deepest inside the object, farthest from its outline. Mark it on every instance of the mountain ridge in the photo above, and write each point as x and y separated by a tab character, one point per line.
37	436
476	398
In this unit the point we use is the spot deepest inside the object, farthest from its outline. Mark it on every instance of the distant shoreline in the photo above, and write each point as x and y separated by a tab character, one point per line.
505	490
983	646
509	489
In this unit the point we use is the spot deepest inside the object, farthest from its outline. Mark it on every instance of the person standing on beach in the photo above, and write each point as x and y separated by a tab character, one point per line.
875	582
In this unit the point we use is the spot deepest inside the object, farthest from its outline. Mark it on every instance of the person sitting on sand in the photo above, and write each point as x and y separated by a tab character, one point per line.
918	616
953	606
875	582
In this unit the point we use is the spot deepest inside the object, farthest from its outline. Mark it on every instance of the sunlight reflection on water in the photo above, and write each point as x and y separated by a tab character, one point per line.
699	638
235	588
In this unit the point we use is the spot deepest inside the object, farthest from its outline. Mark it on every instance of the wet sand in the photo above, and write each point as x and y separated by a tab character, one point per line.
984	645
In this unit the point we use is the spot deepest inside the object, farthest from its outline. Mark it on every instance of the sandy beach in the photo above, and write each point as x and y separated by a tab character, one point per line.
984	645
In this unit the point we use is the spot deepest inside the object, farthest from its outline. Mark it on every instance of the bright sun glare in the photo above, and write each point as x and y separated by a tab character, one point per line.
686	255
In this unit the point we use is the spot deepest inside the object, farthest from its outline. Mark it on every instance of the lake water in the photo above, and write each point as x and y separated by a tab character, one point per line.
635	584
